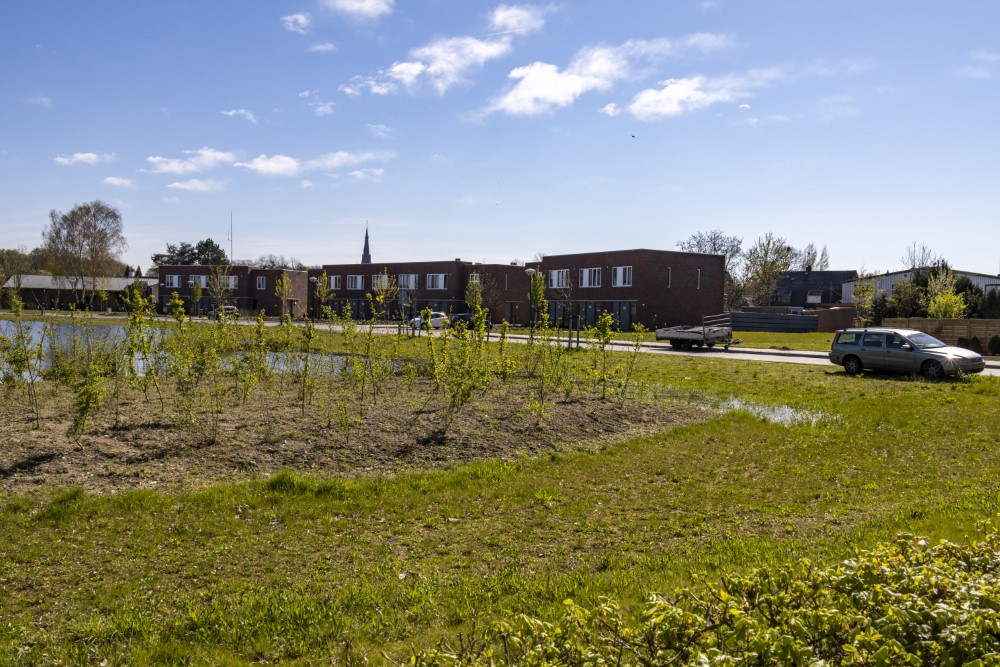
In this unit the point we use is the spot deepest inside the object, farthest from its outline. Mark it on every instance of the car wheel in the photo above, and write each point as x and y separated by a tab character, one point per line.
932	370
852	365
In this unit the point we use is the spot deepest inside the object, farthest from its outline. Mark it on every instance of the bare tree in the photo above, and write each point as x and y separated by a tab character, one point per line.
824	260
919	256
716	242
767	259
86	243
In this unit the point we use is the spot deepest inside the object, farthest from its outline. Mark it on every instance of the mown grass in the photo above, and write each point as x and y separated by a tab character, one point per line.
294	568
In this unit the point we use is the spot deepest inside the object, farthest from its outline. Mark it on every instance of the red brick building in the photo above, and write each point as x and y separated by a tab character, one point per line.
249	288
654	288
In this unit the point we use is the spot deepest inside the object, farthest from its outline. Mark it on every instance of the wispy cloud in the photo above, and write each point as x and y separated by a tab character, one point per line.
982	66
319	106
297	22
84	158
380	131
361	9
195	162
449	61
325	47
240	113
40	101
370	174
198	185
284	165
117	182
543	87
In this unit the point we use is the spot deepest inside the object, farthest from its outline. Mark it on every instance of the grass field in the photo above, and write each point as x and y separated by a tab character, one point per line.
790	462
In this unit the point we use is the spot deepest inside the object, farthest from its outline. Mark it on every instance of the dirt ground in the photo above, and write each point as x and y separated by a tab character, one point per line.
148	449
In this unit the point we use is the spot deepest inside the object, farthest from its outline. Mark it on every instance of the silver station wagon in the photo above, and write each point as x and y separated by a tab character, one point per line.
902	350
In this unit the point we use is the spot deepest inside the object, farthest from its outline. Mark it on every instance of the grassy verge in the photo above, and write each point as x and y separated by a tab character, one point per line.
296	568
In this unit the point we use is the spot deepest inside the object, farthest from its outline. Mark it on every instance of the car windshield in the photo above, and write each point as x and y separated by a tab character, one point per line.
924	341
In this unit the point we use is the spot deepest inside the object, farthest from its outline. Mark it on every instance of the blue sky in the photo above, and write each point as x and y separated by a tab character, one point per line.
491	131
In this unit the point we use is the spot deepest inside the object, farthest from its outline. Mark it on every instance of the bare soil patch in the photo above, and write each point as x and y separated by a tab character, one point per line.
150	449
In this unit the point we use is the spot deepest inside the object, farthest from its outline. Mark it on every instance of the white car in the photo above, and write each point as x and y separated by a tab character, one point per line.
437	321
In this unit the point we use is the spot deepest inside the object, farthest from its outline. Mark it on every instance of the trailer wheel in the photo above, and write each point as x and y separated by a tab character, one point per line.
710	345
676	344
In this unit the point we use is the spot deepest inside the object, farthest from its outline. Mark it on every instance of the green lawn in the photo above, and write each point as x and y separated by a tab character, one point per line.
312	569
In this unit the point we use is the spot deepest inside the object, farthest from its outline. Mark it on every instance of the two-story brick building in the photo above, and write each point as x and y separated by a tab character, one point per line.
249	288
649	287
413	286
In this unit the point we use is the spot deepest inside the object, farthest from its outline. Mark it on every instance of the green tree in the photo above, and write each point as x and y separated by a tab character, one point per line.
86	244
767	259
946	306
907	300
204	253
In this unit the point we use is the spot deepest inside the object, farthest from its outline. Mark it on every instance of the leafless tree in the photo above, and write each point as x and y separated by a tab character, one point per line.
716	242
919	256
86	243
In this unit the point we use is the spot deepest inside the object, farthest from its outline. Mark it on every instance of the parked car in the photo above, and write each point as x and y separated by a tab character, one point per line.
224	312
467	319
437	321
903	350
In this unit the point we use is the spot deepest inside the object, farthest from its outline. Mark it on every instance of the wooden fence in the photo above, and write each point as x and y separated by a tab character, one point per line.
950	331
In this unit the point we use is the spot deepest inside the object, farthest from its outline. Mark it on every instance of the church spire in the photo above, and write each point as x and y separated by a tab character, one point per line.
366	255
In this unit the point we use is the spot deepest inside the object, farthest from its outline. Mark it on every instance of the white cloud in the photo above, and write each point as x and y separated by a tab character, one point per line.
305	184
325	47
84	158
517	18
370	174
319	106
198	161
344	159
240	113
197	185
449	61
297	22
745	106
284	165
277	165
974	72
680	96
611	109
543	87
380	131
118	182
437	157
40	101
361	9
986	56
833	108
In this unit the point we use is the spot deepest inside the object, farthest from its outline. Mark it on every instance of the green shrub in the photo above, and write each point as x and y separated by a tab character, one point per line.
901	604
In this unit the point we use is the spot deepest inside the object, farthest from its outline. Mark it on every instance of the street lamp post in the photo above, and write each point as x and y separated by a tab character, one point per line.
314	299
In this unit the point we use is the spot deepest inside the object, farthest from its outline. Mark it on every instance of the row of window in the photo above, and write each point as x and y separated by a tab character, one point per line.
621	276
403	281
230	282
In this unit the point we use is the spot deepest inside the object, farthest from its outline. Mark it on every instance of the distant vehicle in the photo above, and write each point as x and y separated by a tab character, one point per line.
902	350
467	319
437	320
224	312
714	330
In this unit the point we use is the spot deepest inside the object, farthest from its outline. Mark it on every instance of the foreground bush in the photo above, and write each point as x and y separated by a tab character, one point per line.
907	603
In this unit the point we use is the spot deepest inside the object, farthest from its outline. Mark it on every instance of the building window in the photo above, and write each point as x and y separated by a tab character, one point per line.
559	278
334	282
699	279
670	276
199	280
173	281
437	281
621	276
473	277
590	277
380	281
355	282
230	282
407	281
261	282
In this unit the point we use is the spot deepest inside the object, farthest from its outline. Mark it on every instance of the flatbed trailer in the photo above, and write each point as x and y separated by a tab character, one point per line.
714	330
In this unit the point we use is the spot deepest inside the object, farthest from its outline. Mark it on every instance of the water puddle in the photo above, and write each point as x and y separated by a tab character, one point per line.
777	414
